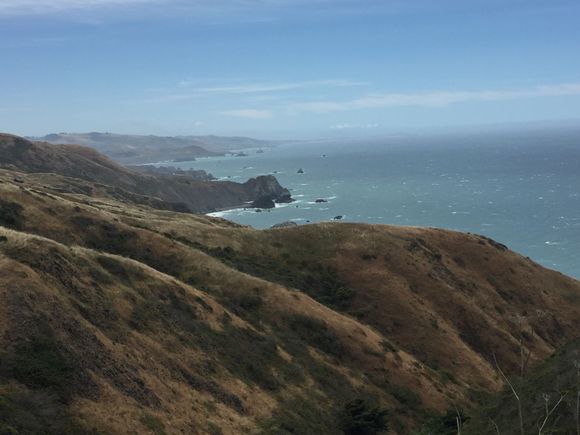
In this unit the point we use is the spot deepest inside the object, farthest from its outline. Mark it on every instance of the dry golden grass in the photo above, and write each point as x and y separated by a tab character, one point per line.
161	312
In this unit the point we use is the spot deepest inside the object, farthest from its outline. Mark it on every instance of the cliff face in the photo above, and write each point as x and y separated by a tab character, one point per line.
120	318
165	190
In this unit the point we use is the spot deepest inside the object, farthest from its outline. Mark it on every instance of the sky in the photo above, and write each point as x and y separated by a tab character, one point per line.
285	68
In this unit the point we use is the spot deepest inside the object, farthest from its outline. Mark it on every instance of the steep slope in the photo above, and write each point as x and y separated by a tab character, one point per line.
302	320
294	360
451	299
177	192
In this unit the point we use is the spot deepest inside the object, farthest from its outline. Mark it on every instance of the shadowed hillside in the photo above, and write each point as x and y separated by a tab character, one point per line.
165	191
117	317
554	384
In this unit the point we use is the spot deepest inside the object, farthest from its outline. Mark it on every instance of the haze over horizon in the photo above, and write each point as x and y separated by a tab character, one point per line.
285	69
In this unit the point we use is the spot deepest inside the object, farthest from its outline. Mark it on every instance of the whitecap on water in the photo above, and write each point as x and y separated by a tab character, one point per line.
224	213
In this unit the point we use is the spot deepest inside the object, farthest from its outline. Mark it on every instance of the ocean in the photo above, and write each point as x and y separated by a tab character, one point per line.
522	189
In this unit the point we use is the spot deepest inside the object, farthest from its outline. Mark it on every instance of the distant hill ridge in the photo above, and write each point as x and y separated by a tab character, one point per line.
137	149
84	163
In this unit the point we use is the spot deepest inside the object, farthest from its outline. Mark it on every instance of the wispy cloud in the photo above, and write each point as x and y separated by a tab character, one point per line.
348	126
205	7
24	7
249	113
252	88
434	99
188	91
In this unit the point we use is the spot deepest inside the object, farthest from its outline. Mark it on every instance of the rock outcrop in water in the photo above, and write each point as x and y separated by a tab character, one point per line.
264	202
285	224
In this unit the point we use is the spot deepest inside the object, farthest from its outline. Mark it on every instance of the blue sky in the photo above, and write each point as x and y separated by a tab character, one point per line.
285	68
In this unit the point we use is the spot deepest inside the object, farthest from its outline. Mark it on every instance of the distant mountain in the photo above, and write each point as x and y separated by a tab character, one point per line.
136	149
187	193
230	143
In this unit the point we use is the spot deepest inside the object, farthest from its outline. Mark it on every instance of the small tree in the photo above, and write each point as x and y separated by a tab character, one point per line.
359	417
515	394
549	411
451	423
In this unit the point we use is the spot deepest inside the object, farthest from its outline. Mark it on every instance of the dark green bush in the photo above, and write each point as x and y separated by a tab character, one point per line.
315	333
39	364
154	424
359	417
443	424
406	397
11	215
25	411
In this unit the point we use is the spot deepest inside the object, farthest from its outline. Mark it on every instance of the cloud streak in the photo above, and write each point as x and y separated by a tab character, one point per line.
37	7
26	7
249	113
252	88
189	92
348	126
434	99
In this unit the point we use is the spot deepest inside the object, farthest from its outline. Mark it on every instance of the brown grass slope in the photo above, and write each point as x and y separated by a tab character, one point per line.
170	192
179	323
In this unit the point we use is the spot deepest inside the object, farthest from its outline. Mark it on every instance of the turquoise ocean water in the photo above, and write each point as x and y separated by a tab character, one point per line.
520	189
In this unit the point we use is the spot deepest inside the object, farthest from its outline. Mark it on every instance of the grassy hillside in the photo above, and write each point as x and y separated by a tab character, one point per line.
116	317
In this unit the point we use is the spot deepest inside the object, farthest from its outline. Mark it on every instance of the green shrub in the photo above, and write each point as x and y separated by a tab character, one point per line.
315	333
359	417
25	411
39	363
11	215
214	429
443	424
308	275
406	397
154	424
